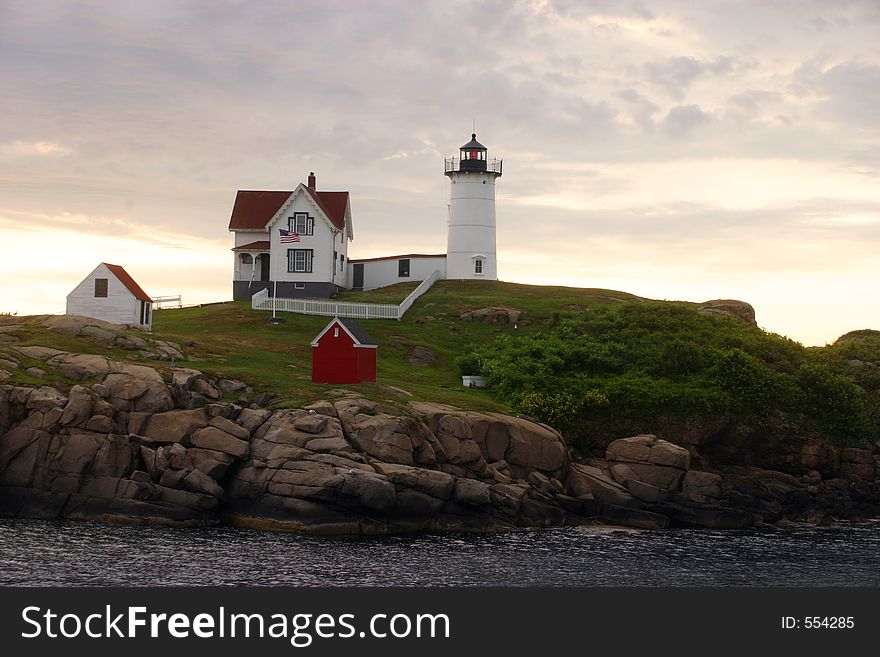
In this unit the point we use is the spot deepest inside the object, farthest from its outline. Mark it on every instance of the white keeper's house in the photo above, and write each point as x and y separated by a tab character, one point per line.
300	239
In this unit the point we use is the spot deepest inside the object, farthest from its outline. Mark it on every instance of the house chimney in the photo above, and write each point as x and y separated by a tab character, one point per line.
311	180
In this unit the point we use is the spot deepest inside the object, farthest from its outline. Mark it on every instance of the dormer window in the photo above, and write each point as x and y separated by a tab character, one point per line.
301	223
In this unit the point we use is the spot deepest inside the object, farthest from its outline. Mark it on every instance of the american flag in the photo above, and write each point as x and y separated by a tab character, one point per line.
288	236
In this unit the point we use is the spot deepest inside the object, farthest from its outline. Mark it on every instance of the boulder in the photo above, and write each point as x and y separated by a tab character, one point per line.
45	398
84	365
251	419
131	342
648	460
385	439
140	476
101	424
368	490
431	482
311	423
204	388
230	386
647	448
585	480
214	438
660	476
702	487
141	392
173	478
739	309
471	491
230	427
332	444
20	452
534	446
421	356
213	463
646	492
318	483
79	406
113	458
168	427
198	482
492	315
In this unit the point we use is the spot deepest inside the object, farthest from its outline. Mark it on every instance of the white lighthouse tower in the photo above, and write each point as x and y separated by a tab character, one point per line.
470	245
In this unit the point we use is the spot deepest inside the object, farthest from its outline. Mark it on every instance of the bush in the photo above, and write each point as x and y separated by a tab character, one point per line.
619	365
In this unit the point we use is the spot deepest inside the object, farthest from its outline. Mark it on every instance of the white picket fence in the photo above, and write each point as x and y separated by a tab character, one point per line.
329	308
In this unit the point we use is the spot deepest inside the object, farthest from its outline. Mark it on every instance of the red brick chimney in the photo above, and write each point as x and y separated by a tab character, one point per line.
312	181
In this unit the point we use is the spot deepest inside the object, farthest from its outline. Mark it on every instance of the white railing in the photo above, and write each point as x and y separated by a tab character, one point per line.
259	298
329	308
161	302
423	287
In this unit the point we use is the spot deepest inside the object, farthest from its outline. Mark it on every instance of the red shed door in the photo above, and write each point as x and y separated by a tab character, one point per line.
366	363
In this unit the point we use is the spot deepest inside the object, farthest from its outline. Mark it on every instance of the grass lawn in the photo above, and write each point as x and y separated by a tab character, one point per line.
233	340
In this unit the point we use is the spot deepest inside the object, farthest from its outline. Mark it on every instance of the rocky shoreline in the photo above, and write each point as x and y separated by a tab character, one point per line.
127	446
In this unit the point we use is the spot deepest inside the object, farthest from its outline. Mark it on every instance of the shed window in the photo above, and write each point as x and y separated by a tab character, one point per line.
335	331
300	260
403	268
100	287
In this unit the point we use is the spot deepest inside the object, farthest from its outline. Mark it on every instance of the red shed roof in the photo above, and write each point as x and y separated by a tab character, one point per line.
128	282
253	209
354	329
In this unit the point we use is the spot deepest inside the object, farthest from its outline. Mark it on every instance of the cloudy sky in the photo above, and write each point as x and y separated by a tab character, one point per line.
676	150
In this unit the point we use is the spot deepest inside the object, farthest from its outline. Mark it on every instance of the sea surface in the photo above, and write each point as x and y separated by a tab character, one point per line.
40	553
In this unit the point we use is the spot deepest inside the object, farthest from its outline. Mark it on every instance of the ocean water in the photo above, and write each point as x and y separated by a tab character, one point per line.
44	553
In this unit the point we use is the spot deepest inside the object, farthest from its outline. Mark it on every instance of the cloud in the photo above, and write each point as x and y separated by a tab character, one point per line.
23	148
683	119
676	74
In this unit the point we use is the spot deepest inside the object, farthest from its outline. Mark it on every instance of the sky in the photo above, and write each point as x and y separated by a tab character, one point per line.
674	150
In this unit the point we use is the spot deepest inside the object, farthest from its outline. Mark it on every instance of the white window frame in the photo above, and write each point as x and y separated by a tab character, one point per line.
301	261
301	223
479	265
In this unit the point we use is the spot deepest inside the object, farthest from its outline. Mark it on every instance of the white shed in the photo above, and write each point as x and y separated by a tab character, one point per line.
111	294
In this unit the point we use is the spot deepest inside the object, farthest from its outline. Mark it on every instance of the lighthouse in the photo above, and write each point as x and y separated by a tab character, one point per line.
470	243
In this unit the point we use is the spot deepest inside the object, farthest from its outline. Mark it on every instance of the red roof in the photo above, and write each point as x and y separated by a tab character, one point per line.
128	282
262	245
333	204
399	257
253	209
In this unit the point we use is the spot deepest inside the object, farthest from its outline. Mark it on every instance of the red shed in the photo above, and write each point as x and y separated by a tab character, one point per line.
343	353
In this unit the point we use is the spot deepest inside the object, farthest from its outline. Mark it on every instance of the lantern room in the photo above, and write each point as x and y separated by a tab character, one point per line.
473	155
473	158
